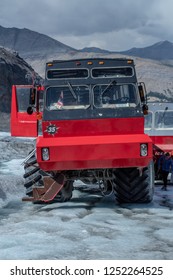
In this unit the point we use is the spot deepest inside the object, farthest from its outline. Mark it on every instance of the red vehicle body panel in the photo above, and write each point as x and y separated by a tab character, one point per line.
109	126
90	145
164	143
22	124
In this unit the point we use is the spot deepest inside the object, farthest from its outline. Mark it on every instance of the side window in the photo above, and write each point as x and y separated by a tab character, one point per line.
148	120
23	96
164	119
112	72
67	73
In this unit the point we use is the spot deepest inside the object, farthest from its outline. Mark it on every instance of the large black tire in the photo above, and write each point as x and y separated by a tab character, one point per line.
131	185
34	176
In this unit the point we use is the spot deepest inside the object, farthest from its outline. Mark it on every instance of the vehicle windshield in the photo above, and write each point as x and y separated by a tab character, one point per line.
113	95
67	97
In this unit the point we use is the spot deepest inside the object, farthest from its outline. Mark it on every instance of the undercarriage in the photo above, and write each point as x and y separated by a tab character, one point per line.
127	184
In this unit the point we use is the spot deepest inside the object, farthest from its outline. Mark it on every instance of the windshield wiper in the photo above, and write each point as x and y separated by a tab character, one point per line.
72	91
112	83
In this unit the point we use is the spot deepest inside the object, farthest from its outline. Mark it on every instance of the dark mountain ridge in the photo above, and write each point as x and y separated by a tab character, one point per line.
159	51
33	44
95	50
26	41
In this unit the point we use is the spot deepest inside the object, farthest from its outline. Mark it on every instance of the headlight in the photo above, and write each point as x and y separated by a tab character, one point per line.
144	150
45	154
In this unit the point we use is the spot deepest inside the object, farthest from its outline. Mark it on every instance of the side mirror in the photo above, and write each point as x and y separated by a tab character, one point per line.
141	93
30	110
145	109
32	98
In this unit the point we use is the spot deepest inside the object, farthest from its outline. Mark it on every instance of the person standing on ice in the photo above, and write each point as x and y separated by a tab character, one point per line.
165	165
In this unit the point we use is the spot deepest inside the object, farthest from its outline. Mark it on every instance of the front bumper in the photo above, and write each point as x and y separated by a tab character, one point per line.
93	152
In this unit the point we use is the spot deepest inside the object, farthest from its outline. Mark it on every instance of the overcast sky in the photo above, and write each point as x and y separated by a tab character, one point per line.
107	24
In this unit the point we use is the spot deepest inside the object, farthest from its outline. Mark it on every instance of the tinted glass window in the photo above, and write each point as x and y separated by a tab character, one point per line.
112	72
23	98
67	73
164	119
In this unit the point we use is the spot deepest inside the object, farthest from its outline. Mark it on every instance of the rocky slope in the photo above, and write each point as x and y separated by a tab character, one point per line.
13	70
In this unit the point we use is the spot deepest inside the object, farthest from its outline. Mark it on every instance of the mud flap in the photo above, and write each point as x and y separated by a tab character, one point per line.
50	189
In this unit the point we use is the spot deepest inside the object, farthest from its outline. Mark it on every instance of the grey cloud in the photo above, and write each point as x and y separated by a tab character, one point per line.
78	17
81	19
99	16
